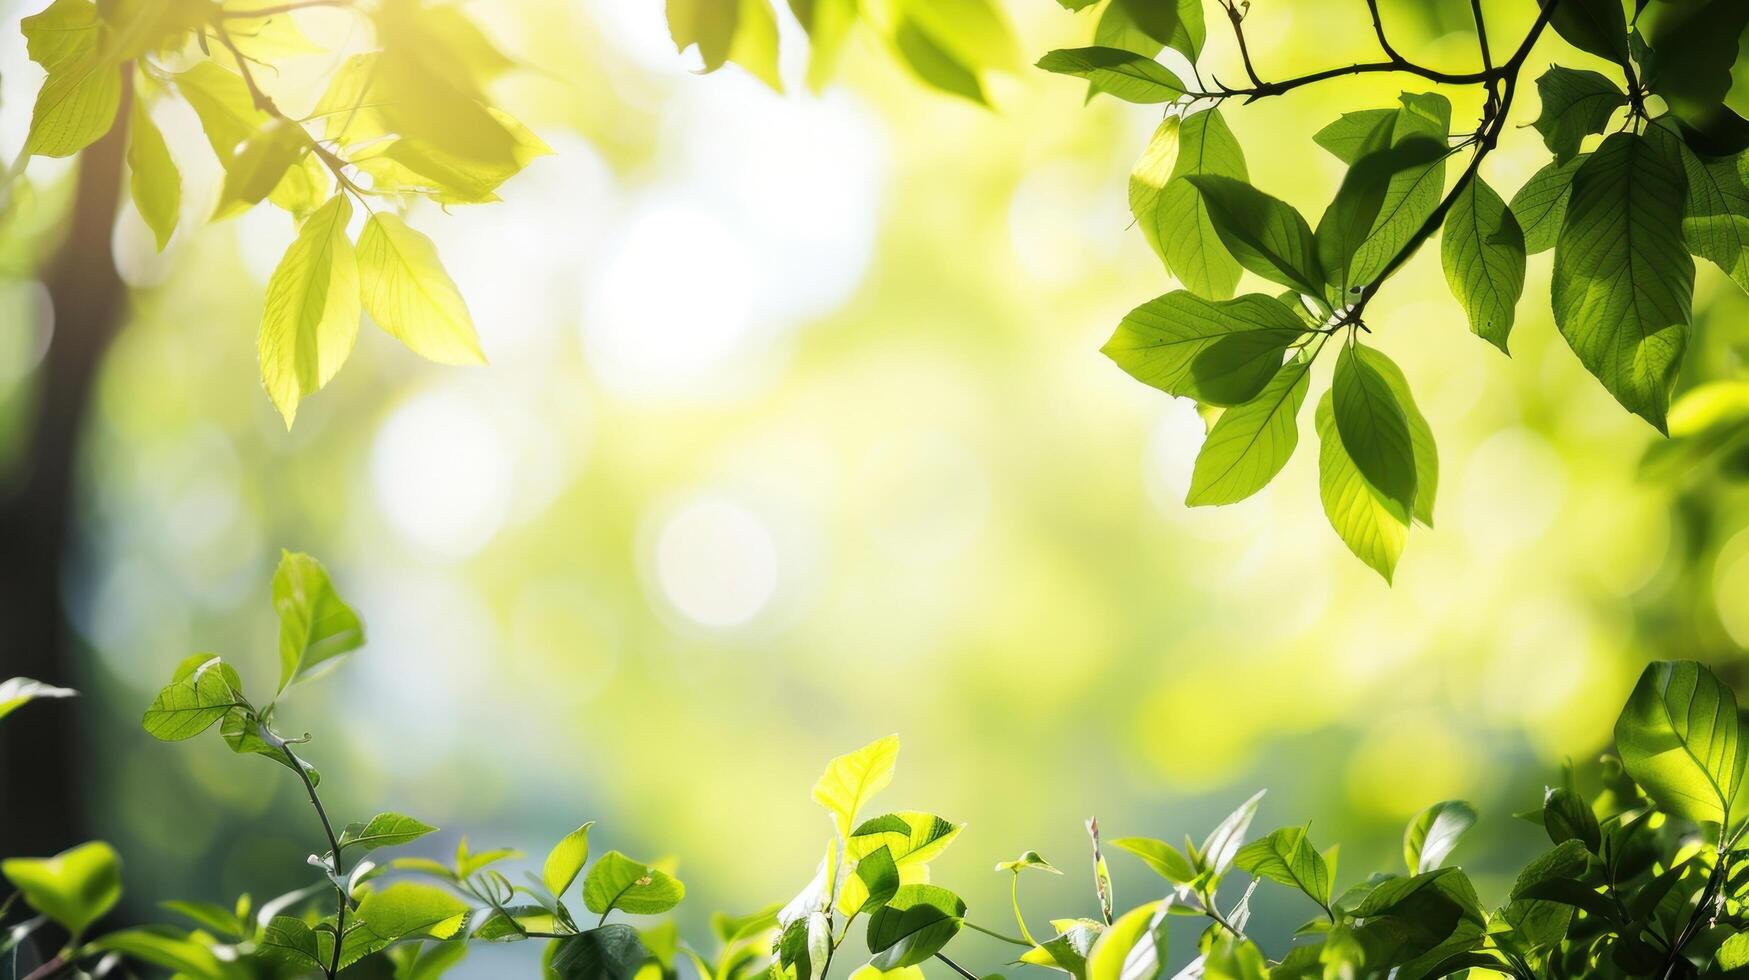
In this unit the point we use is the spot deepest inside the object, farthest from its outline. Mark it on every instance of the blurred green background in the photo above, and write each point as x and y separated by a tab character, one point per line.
795	434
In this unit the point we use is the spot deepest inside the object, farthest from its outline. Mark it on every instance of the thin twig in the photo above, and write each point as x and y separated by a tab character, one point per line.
1378	29
333	842
962	971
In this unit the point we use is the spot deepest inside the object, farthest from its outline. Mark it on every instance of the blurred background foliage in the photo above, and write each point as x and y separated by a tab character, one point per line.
796	433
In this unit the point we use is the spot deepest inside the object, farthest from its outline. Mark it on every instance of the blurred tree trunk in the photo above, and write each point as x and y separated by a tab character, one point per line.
41	762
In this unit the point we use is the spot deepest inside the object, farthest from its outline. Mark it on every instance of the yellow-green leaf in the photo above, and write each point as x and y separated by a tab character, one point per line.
310	319
409	294
75	106
154	181
850	780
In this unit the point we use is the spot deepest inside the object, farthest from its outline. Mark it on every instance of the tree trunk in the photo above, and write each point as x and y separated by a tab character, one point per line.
42	765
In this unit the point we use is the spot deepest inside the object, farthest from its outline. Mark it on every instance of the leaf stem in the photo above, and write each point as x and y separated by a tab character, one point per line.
962	971
333	842
1019	919
1024	944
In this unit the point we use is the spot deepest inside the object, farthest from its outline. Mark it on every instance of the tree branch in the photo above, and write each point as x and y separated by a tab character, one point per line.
333	842
1486	139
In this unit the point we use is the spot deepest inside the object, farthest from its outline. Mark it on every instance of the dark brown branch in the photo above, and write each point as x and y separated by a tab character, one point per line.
1378	29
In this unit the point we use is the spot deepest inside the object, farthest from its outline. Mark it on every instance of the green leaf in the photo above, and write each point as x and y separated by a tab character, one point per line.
1146	26
1222	844
932	63
1288	857
879	877
565	861
221	99
408	909
1027	860
514	923
16	692
154	181
1541	204
74	888
408	293
1433	833
1134	947
1540	921
315	624
1349	221
1170	211
612	952
912	838
1482	250
1265	234
1594	26
618	882
1124	74
1420	433
216	918
1373	426
63	30
1567	816
1250	443
1167	861
76	105
384	830
166	947
310	319
1576	104
1357	133
1372	525
913	926
1413	193
1715	213
850	780
972	32
290	940
1623	281
1069	948
1694	48
259	164
1217	352
241	730
710	25
1679	737
190	704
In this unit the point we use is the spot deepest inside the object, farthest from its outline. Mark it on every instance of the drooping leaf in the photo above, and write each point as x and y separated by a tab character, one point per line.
1482	250
310	318
1250	443
618	882
1594	26
408	293
1124	74
1355	133
1413	192
611	952
74	888
1265	234
1575	104
1373	426
153	180
1715	213
1680	739
1623	280
315	624
1372	525
1217	352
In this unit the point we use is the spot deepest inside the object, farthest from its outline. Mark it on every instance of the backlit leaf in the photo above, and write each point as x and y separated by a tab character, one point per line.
310	319
408	293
